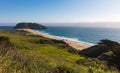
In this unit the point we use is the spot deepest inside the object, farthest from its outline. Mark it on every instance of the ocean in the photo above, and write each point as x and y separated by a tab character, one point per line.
87	35
84	34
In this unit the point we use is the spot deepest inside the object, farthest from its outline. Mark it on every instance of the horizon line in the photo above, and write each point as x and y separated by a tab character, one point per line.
63	22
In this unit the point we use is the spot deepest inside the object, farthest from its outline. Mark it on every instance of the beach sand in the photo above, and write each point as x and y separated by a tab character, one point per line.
76	45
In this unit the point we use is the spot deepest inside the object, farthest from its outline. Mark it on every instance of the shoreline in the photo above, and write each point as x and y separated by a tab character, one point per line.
66	38
76	45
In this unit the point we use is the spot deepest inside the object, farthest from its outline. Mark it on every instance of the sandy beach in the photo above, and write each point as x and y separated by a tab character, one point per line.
76	45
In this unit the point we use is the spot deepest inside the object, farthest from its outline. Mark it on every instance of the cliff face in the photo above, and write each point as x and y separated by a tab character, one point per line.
30	26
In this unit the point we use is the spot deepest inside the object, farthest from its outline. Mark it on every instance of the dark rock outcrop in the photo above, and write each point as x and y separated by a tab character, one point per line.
106	50
30	26
97	50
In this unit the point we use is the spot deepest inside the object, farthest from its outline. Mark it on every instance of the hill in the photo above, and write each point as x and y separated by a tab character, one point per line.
23	52
106	50
30	26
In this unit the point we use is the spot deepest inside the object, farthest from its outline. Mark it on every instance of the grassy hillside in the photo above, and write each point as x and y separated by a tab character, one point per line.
106	50
22	52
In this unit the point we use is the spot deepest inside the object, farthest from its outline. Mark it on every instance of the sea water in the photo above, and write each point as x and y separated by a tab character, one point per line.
86	35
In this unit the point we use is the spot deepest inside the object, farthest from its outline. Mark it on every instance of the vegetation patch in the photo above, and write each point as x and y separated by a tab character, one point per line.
22	52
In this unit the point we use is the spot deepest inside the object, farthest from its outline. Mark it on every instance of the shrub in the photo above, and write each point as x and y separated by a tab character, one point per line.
116	57
63	69
60	44
5	45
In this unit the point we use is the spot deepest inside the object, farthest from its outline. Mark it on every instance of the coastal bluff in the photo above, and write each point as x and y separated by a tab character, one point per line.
29	26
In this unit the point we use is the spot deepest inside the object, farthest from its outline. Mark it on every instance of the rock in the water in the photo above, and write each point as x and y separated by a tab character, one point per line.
30	26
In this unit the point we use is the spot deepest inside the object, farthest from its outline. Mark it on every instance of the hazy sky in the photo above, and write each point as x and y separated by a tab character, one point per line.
59	11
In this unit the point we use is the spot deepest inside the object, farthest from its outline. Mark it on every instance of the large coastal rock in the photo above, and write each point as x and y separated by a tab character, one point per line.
30	26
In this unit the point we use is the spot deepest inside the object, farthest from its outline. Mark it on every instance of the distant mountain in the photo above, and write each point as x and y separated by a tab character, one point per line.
30	26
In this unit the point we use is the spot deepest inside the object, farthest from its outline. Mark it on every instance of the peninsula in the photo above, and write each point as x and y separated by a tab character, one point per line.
29	26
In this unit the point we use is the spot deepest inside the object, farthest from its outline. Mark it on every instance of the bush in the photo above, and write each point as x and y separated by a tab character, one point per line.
5	41
88	62
63	69
116	57
5	45
60	44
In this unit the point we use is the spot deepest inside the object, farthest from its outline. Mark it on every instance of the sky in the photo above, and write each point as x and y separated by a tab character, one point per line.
59	11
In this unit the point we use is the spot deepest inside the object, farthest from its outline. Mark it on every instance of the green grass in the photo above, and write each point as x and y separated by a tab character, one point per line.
30	56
